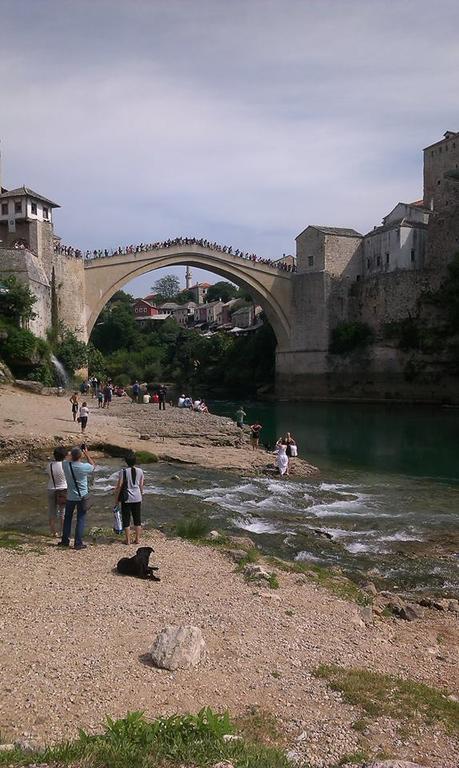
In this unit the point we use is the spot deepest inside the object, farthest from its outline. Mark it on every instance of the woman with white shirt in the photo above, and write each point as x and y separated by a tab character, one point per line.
57	491
129	491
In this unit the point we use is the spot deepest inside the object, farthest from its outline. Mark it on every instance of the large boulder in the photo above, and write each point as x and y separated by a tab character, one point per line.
256	572
30	386
6	377
411	612
177	647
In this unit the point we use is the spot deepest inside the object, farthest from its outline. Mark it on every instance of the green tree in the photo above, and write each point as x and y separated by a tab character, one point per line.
72	352
96	362
184	296
121	296
222	290
16	300
116	328
166	287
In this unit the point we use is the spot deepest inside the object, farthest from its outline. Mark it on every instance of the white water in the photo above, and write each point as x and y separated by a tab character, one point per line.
61	374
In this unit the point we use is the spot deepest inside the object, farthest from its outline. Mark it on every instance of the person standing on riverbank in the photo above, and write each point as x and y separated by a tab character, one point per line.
74	401
162	392
136	392
282	458
84	414
255	430
76	474
57	491
240	413
290	444
129	491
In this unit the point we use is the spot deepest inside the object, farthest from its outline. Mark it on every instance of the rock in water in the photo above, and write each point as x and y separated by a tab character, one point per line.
177	647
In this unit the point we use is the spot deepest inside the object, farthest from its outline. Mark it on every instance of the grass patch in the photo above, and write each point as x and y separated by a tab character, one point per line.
339	585
392	696
146	457
134	742
193	527
354	758
10	540
259	726
251	556
273	581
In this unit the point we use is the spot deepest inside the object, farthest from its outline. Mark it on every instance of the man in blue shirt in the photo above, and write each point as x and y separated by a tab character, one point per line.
76	473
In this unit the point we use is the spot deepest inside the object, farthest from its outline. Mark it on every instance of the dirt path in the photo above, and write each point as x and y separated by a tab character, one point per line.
75	637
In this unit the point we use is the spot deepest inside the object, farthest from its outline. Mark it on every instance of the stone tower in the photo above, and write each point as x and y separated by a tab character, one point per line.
29	250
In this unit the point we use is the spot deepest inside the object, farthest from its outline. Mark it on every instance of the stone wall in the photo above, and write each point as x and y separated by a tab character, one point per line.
388	297
70	290
28	269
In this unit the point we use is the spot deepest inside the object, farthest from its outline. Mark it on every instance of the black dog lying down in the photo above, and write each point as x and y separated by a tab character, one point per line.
138	565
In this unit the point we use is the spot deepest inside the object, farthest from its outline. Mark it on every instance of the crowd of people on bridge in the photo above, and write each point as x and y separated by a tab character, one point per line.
172	243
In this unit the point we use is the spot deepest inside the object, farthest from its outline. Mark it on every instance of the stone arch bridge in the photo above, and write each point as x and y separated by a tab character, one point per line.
270	287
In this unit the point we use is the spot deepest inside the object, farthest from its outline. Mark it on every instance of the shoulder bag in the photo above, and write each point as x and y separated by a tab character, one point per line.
87	501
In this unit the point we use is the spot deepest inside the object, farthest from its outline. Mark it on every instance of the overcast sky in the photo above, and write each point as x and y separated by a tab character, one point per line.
240	121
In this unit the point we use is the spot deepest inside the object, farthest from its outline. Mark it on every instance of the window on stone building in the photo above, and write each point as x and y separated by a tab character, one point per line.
311	261
33	207
4	209
413	257
378	261
368	263
18	206
387	258
45	212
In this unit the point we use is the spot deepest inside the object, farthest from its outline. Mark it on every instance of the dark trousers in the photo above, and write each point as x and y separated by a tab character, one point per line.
162	405
80	521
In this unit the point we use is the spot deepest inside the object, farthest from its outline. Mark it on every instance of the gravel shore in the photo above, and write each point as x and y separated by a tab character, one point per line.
175	434
76	636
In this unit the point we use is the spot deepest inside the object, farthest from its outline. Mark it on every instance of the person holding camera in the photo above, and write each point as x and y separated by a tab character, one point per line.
76	473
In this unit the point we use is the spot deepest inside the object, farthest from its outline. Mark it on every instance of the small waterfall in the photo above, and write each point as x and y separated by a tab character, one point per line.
61	374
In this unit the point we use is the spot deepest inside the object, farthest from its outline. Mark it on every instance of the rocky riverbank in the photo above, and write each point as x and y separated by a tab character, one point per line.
76	641
31	424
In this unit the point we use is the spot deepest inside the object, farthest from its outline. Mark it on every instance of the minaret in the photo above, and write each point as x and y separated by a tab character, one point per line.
188	278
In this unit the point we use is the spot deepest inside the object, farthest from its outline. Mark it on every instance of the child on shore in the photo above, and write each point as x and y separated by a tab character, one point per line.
84	413
100	399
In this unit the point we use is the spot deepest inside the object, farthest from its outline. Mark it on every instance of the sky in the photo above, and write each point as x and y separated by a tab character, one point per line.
240	121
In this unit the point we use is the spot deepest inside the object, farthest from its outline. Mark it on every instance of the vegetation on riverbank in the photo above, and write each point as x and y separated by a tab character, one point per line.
27	355
387	695
135	742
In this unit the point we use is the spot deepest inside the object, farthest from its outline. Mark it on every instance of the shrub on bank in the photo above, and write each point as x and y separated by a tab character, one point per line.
347	337
134	742
193	527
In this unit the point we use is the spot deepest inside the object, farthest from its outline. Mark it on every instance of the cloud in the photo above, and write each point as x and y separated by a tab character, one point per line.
241	121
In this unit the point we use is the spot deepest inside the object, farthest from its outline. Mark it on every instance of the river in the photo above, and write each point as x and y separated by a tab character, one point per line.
388	493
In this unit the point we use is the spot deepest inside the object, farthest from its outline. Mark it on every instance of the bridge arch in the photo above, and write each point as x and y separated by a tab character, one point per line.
270	287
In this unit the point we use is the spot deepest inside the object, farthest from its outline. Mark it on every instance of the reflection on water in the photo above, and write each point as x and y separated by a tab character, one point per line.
402	526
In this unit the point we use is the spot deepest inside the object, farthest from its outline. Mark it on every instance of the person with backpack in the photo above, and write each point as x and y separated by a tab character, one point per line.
129	492
57	491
